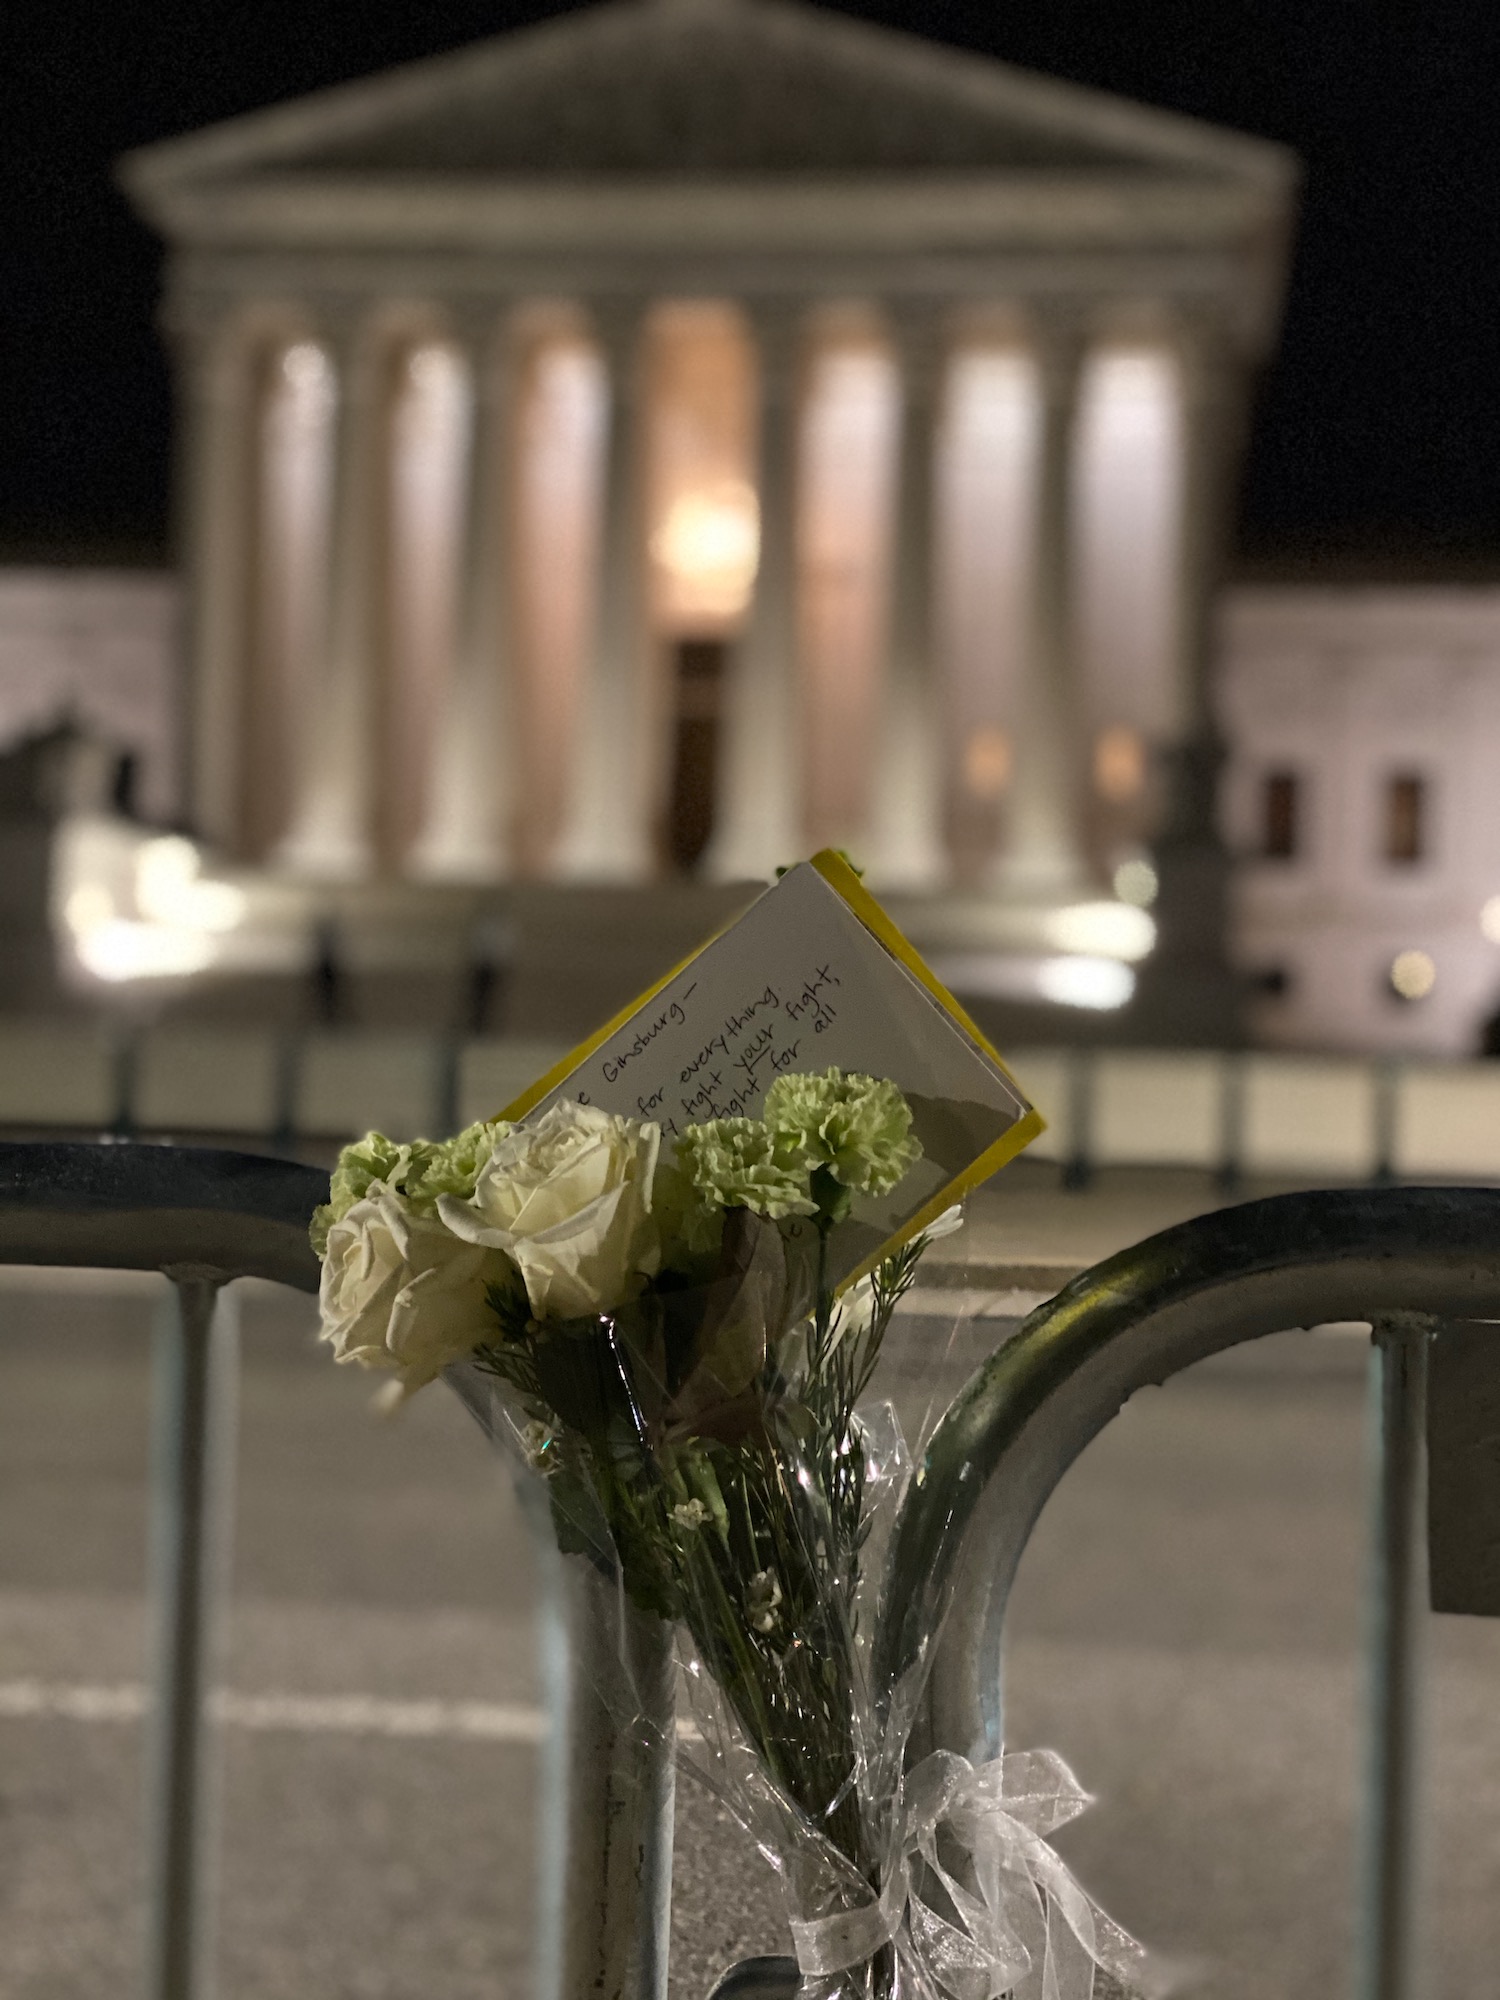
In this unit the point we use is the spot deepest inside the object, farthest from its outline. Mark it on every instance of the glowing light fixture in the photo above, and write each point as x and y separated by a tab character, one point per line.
1075	980
1135	881
140	909
1489	920
1081	981
120	949
1102	930
710	541
168	889
88	906
1413	975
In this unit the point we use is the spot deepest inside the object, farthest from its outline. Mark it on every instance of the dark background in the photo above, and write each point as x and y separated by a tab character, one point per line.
1376	439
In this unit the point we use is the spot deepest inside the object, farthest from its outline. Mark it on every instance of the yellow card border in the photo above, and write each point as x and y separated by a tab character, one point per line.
842	879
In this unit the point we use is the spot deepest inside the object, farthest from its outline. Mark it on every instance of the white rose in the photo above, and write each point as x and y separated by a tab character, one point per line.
569	1201
400	1291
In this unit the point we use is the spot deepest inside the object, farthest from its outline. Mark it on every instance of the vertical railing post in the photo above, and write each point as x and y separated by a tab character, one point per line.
1397	1619
195	1365
614	1751
553	1659
450	1060
1231	1120
1078	1167
607	1783
1387	1085
288	1081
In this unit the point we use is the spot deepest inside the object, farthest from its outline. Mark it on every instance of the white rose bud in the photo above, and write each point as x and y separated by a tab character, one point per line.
569	1201
400	1291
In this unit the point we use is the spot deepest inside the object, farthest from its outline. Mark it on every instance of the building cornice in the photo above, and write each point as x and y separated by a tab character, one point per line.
895	215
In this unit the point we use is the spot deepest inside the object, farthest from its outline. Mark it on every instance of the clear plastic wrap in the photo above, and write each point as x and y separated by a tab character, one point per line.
717	1456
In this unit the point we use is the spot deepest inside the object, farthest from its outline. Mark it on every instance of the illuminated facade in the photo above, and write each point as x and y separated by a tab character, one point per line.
1360	799
692	429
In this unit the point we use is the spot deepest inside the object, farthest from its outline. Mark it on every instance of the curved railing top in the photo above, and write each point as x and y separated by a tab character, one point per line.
144	1207
1261	1267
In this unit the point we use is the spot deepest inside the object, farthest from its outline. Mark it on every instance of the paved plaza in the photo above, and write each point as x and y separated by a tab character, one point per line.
1185	1630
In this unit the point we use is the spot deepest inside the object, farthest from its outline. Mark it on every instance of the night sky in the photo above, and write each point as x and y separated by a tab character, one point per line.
1376	432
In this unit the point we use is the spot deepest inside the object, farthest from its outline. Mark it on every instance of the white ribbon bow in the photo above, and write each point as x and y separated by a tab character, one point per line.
1024	1926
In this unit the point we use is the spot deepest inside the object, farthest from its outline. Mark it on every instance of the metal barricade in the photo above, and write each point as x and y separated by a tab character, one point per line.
203	1218
1413	1262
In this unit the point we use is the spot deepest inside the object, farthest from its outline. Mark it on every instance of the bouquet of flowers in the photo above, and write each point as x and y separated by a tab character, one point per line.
675	1362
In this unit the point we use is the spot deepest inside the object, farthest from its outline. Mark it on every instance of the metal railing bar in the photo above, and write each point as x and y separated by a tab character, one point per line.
195	1367
1397	1612
1402	1258
202	1216
132	1207
1138	1317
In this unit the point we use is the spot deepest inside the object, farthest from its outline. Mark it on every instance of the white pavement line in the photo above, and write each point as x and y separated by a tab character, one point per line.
21	1700
311	1714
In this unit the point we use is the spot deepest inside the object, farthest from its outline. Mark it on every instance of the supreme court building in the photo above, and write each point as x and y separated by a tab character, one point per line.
688	432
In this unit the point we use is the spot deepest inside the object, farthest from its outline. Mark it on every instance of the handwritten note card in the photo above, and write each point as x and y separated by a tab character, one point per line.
810	976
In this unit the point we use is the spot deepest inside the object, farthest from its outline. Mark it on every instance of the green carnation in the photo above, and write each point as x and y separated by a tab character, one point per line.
741	1163
856	1128
419	1169
454	1166
691	1226
373	1158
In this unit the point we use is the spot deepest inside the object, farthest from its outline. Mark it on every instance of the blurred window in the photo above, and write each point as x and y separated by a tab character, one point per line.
1280	807
1119	764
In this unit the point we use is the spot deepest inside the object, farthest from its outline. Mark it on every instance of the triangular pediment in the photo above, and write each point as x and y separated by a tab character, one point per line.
724	88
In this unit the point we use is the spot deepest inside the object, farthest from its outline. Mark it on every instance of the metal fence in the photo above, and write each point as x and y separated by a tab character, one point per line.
1421	1264
1241	1116
205	1217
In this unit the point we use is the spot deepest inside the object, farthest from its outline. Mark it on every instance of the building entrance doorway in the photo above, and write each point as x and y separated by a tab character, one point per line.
698	683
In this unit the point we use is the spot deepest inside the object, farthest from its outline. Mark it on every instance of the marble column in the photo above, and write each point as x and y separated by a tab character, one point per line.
906	848
1043	858
330	830
216	527
757	816
609	832
474	783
